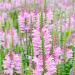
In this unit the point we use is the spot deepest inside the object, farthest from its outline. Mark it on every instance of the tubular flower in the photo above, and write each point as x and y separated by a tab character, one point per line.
49	15
3	18
72	21
65	25
38	60
47	40
64	5
12	38
12	61
36	40
69	54
17	3
2	41
24	21
35	17
38	65
6	6
50	66
36	1
29	1
58	53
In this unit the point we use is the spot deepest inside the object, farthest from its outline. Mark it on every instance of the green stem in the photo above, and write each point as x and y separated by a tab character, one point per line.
34	5
44	4
43	55
73	61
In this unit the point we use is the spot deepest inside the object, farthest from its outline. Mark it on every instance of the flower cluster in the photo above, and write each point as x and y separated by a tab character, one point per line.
42	37
12	63
10	38
24	21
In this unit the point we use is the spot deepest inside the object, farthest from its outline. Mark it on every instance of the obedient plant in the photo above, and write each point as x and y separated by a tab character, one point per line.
47	40
10	39
38	53
24	21
35	17
2	40
36	39
50	65
12	63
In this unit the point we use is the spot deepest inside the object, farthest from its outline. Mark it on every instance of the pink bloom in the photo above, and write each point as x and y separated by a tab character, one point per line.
50	66
24	21
38	59
69	54
12	61
17	3
36	72
17	61
2	40
65	25
38	65
6	6
64	5
36	43
58	53
72	21
3	18
47	40
12	38
32	1
38	62
35	17
49	15
29	1
38	1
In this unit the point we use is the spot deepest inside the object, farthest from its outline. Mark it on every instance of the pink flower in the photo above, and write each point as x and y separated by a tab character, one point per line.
24	21
65	26
38	59
72	21
3	18
12	38
17	3
35	17
38	65
69	54
64	5
36	43
6	6
29	1
49	15
38	1
38	62
50	66
2	40
17	61
47	40
58	53
36	72
12	61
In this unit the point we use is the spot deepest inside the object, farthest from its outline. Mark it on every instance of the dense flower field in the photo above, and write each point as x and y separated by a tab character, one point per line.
37	37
